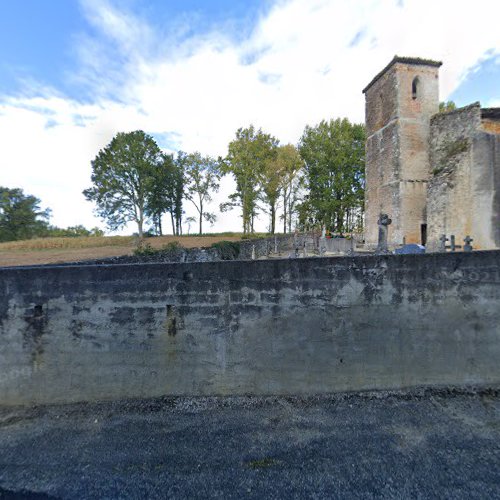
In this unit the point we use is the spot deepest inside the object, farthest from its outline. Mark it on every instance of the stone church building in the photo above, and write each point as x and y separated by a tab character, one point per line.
432	173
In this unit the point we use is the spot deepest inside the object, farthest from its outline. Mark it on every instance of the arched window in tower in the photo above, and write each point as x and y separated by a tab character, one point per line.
415	87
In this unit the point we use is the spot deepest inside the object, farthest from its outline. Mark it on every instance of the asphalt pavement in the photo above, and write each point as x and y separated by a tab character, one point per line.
420	444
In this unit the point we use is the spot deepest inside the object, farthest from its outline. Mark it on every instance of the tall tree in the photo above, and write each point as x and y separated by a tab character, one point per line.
21	216
270	184
246	159
333	153
290	165
202	178
167	188
122	176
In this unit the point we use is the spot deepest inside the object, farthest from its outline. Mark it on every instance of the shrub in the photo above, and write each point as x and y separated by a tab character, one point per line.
227	250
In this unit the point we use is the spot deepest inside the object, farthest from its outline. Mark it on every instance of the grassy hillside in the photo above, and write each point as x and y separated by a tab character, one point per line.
55	250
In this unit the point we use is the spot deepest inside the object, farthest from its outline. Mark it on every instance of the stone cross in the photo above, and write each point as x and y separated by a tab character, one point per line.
468	247
383	227
442	243
453	246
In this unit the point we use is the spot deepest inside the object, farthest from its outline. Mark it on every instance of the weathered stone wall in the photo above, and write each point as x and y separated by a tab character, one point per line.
465	179
397	149
300	326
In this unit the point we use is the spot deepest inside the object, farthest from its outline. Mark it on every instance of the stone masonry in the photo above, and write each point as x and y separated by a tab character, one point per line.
432	173
464	186
399	104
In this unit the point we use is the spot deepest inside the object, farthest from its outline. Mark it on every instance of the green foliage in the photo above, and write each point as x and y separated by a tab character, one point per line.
333	152
167	191
171	246
451	149
202	178
146	250
227	250
290	165
247	156
444	107
73	232
449	154
21	217
122	176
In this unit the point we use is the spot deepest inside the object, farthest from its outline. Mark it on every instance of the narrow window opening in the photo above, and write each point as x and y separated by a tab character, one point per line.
414	87
423	234
37	311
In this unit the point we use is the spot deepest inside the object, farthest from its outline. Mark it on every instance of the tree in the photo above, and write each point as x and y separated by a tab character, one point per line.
333	152
290	165
202	177
444	107
166	193
122	177
246	159
271	186
21	216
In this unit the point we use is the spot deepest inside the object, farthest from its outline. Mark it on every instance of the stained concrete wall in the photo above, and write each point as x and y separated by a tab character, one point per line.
304	326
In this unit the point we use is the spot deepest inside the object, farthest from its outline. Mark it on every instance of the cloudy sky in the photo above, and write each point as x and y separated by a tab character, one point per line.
190	72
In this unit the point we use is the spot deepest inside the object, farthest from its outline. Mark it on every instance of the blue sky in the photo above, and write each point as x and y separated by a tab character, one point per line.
73	73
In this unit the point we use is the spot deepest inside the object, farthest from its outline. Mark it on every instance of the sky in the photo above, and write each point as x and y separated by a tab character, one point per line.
73	73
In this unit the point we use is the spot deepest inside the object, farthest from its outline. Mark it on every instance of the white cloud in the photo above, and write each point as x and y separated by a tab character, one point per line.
305	60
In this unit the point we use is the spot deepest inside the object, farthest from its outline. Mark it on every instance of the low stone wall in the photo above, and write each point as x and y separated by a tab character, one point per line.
290	326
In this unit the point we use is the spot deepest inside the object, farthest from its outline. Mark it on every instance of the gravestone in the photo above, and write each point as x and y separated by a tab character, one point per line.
467	244
442	243
383	228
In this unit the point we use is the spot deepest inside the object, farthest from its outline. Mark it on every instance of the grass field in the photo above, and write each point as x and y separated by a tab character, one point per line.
56	250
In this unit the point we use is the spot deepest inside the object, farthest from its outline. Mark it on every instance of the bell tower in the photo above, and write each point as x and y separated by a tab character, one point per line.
399	103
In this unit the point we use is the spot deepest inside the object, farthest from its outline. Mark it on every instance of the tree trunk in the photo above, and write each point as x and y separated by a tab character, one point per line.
173	222
284	211
140	222
201	218
273	219
159	225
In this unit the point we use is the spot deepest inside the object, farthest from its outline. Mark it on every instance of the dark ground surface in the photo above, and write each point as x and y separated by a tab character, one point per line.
426	444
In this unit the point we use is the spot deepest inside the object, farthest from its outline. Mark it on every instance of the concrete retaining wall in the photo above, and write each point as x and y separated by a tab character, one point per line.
292	326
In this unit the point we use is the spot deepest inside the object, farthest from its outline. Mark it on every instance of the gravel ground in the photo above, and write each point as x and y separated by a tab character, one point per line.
426	444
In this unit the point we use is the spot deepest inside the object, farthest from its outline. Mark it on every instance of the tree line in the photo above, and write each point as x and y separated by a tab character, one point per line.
317	183
22	218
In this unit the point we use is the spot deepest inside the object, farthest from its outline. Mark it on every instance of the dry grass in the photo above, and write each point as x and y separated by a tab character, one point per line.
56	250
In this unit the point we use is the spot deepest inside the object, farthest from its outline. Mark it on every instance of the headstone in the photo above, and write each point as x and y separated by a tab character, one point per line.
350	252
411	248
383	228
253	252
453	246
442	243
467	246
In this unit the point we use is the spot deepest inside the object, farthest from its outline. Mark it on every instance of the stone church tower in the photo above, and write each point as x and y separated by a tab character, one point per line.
400	101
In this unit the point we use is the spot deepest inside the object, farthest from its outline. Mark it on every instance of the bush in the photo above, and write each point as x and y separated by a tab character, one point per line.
145	250
227	250
172	246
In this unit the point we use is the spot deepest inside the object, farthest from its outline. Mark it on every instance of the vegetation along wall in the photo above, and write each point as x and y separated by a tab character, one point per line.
291	326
